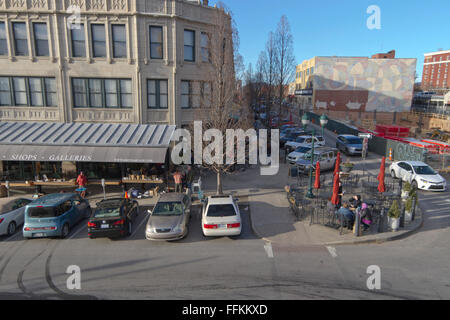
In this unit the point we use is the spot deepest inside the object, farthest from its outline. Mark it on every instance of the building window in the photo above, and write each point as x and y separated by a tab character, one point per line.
102	93
27	91
186	94
41	39
205	45
98	40
5	92
157	94
189	45
312	70
205	94
119	37
50	92
156	42
20	38
3	40
78	42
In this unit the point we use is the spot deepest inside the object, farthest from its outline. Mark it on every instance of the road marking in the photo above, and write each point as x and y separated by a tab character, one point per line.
269	251
14	235
79	230
140	224
332	251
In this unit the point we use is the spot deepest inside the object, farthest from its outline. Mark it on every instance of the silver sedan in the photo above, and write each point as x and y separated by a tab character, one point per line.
169	219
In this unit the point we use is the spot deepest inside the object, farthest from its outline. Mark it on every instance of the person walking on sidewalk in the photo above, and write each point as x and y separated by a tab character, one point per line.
190	178
178	179
82	184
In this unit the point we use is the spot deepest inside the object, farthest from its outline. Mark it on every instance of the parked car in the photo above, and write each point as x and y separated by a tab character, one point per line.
305	141
291	136
54	215
169	220
113	218
350	145
294	156
12	212
325	155
221	217
419	174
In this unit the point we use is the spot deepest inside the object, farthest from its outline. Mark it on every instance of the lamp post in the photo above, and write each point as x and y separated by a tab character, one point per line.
306	122
323	123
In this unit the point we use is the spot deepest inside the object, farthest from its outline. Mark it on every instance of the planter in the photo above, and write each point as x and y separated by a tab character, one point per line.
394	224
408	216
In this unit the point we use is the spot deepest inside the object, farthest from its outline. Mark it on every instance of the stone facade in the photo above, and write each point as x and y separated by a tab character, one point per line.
173	16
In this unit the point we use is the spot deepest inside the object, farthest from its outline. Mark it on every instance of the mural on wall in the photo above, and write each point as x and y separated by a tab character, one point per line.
364	84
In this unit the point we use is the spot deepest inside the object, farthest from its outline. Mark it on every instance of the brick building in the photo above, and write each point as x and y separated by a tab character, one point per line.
436	70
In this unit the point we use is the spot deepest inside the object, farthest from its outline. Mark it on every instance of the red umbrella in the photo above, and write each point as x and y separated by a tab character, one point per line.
335	197
381	185
317	182
338	163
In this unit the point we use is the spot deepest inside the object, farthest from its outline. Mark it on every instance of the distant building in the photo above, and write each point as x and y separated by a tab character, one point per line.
435	70
356	88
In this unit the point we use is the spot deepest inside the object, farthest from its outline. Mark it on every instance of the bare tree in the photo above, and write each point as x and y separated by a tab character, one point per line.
284	58
221	111
267	59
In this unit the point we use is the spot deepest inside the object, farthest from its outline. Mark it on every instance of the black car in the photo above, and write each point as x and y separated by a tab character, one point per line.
113	218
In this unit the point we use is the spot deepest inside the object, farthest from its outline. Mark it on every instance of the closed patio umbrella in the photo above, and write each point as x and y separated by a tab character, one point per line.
338	163
335	197
381	184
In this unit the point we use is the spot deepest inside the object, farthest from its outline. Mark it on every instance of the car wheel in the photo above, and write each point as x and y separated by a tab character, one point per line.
65	231
11	228
393	174
88	213
414	185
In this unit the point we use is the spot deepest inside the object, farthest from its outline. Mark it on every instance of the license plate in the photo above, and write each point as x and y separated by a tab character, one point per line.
38	235
105	226
222	226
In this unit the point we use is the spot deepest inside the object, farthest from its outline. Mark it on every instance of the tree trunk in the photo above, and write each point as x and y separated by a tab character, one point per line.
219	184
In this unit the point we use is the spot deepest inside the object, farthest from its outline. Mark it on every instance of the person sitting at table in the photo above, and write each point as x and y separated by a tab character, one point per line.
346	214
366	216
355	202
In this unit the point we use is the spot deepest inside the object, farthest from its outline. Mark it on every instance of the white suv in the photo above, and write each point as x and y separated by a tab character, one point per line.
221	217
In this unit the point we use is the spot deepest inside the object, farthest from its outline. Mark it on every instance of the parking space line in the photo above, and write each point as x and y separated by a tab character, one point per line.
332	251
13	236
269	250
79	230
140	225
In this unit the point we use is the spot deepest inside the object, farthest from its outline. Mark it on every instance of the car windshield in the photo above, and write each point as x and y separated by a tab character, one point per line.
300	140
302	150
107	212
221	210
354	140
168	209
425	170
307	156
42	212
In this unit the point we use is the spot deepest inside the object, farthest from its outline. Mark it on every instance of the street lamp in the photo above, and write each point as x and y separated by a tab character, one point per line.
306	121
323	123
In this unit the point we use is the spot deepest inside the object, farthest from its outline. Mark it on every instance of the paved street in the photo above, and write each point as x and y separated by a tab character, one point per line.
246	267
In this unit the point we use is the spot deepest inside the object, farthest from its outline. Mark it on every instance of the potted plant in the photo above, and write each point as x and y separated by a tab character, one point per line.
406	190
409	205
394	216
347	166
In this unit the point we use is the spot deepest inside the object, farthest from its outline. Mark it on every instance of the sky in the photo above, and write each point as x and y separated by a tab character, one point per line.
339	27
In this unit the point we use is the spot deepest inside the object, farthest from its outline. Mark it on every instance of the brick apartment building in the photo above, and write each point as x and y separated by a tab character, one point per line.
435	70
